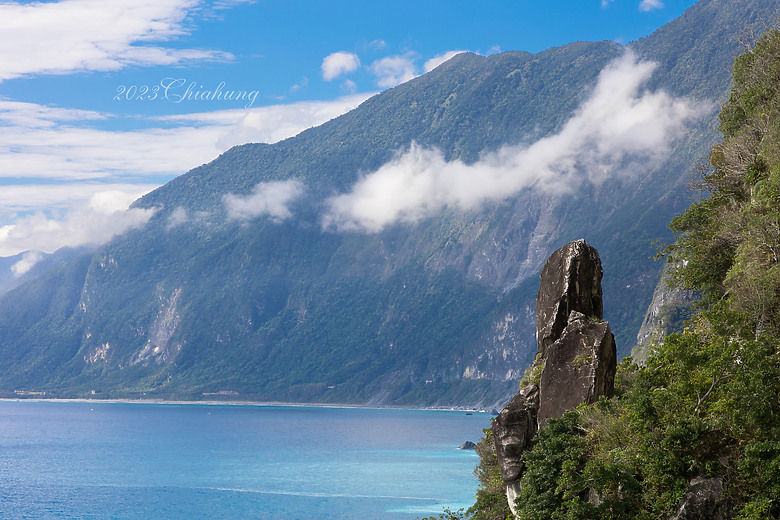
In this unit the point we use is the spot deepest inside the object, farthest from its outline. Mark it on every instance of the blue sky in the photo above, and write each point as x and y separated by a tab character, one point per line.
103	100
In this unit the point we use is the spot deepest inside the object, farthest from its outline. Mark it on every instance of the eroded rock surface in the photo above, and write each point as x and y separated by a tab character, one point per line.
570	281
513	430
512	492
579	367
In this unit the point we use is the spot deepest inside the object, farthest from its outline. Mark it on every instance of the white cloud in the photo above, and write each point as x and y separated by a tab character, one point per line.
29	198
620	129
181	216
28	261
338	63
228	4
49	147
52	158
30	115
349	86
178	217
103	217
605	3
94	35
267	199
394	70
272	123
438	60
39	142
650	5
303	84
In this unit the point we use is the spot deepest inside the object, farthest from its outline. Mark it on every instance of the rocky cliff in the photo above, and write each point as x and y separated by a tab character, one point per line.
667	313
576	356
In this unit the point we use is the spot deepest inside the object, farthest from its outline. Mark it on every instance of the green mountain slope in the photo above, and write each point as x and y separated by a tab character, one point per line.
432	313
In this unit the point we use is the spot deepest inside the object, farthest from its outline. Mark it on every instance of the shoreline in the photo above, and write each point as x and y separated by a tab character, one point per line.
168	402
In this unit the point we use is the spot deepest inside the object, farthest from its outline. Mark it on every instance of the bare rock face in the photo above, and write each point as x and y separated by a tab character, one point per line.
578	368
512	492
703	501
513	430
570	281
576	350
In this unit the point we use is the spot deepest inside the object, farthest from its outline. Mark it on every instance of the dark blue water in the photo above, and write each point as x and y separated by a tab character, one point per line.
147	461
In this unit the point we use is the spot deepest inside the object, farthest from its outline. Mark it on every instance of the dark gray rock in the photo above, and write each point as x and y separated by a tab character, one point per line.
576	354
578	368
513	430
703	501
570	281
468	445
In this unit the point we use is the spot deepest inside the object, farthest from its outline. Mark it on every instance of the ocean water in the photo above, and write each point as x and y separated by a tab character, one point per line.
92	460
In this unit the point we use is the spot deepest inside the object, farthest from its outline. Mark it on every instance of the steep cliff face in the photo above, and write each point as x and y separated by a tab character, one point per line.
667	313
577	356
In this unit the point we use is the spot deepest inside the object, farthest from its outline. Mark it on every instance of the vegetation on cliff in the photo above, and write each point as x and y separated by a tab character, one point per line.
707	403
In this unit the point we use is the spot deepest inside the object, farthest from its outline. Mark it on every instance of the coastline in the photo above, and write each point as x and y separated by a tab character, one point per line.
168	402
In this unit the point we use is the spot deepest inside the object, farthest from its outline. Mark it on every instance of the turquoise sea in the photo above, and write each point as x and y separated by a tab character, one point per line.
93	460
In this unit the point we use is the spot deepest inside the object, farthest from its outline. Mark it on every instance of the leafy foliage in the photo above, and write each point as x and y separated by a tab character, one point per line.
730	240
706	404
552	482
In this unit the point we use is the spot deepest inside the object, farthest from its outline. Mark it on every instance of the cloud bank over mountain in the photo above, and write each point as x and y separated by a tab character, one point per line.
620	130
271	199
104	217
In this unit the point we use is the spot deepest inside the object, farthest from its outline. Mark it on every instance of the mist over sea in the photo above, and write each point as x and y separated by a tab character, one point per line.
183	461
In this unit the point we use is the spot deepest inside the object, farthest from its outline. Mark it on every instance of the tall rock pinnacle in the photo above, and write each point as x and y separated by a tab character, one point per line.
576	354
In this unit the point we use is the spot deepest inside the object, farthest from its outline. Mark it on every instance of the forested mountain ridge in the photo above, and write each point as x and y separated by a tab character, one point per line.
435	311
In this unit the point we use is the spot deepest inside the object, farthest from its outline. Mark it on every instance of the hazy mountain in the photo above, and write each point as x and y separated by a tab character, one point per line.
19	269
301	271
